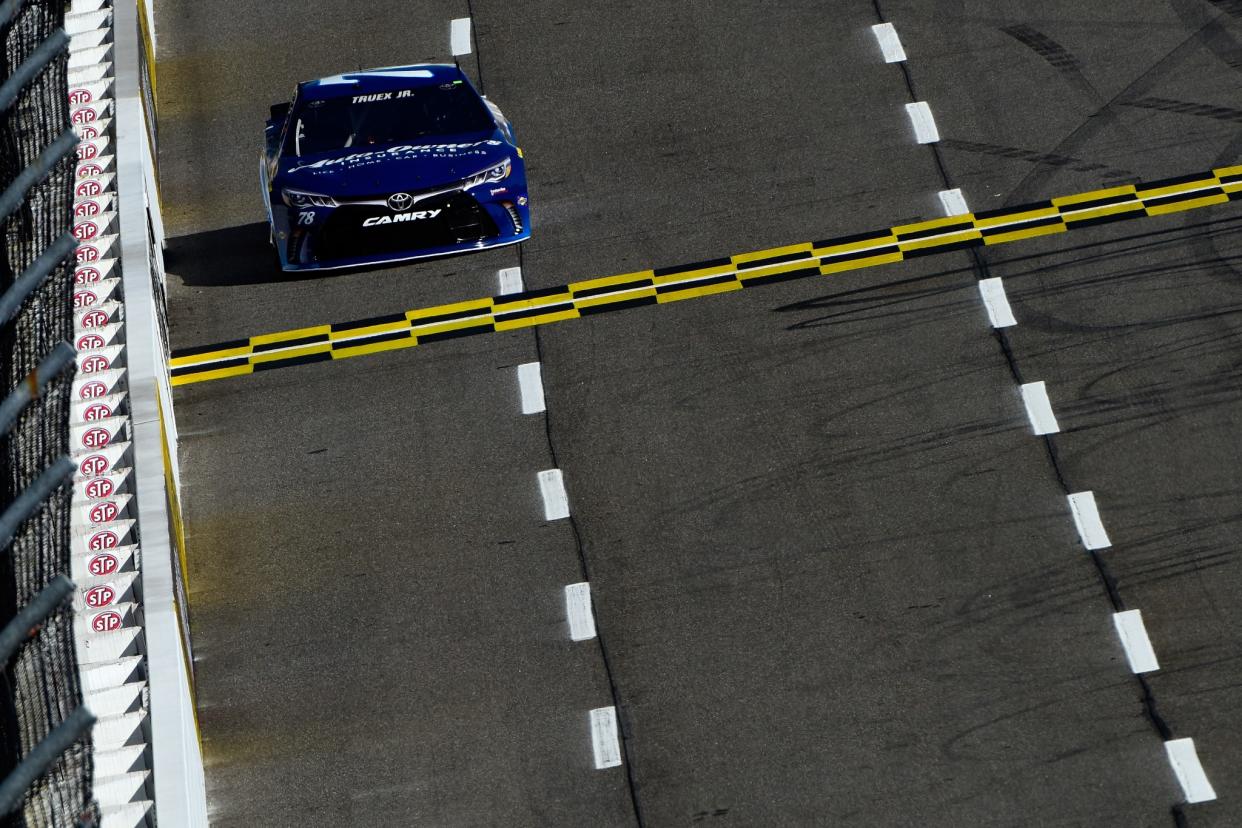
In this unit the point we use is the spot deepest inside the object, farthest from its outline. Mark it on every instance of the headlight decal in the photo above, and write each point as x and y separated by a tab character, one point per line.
300	199
494	173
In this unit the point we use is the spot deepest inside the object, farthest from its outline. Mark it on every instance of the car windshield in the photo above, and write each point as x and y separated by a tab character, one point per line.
402	116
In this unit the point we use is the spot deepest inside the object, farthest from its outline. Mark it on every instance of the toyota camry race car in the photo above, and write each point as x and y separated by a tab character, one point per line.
385	165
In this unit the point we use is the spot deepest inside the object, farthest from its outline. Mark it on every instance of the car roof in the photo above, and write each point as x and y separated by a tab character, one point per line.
384	79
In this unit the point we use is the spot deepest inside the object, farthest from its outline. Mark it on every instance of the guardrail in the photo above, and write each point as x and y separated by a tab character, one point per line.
46	755
85	236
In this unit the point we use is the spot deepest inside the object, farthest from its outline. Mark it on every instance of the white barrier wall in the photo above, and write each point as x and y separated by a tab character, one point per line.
128	556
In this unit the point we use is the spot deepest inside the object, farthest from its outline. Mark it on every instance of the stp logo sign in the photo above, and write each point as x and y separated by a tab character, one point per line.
85	231
87	275
106	621
89	170
94	465
92	389
104	512
87	151
86	208
84	116
84	298
86	252
96	411
104	564
99	596
99	487
78	97
106	539
89	187
94	319
96	438
88	133
95	363
90	341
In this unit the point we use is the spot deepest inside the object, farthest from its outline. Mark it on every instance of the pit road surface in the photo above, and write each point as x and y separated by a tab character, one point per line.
835	575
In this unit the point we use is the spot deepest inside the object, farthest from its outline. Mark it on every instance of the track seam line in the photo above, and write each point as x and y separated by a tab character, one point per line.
583	566
584	569
1107	580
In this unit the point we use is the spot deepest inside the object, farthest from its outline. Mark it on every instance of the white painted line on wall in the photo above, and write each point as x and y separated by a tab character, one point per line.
604	738
953	202
1039	408
555	501
1134	639
994	299
1185	762
578	611
510	280
925	131
460	36
1087	519
530	381
890	43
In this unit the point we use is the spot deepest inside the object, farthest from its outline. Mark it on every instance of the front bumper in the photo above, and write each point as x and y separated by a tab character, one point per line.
355	235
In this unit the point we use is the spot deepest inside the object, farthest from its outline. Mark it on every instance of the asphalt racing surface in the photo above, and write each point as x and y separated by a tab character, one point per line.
837	578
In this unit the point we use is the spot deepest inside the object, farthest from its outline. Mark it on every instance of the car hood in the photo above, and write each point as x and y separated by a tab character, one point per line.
408	167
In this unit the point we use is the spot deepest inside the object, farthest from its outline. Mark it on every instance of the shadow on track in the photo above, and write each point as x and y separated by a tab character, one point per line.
228	257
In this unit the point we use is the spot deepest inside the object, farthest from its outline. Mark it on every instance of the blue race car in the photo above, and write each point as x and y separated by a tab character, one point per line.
385	165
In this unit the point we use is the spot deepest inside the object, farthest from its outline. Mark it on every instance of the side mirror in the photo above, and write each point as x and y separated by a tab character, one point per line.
279	112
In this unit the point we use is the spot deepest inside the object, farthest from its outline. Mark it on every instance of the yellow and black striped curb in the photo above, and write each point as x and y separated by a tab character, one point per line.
342	340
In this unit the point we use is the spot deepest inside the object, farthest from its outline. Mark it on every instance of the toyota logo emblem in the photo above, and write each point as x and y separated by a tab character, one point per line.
400	201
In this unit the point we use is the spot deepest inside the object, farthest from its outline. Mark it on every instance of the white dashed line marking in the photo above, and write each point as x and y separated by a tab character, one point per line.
510	279
953	202
578	611
890	43
555	501
1185	762
994	299
530	381
925	131
604	737
1039	408
1134	639
460	36
1087	519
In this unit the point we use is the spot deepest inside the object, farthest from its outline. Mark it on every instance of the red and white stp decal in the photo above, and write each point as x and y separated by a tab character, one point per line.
104	511
93	464
98	487
108	621
103	539
99	596
97	463
85	298
94	388
96	411
87	275
105	563
95	318
85	231
94	362
96	435
89	342
96	385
